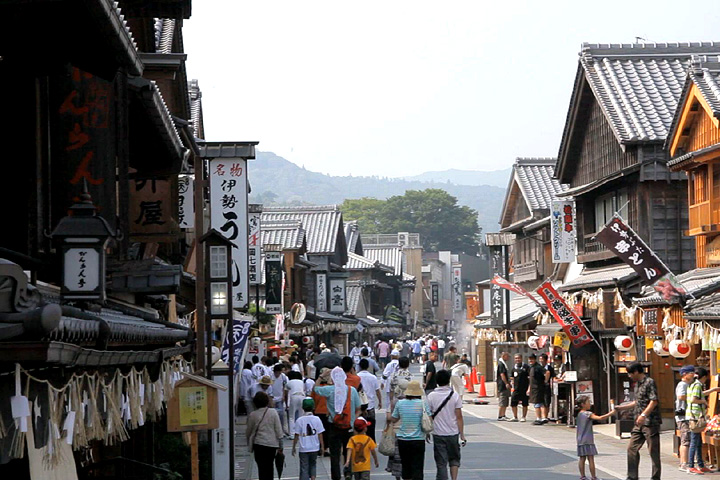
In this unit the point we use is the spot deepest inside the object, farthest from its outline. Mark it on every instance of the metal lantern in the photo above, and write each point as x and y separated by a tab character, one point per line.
660	348
679	348
624	343
82	237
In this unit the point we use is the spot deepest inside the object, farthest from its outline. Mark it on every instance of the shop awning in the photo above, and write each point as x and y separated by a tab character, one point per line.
66	354
599	277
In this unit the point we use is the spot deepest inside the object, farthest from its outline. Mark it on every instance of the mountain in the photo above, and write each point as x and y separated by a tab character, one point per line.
497	178
277	181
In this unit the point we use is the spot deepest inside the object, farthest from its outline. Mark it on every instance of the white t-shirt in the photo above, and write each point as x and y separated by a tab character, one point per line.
278	388
441	343
681	390
309	443
460	369
295	387
369	386
311	371
309	385
296	368
258	371
445	422
246	384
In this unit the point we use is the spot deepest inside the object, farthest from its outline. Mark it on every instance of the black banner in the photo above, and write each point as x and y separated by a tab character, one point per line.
630	248
497	296
435	294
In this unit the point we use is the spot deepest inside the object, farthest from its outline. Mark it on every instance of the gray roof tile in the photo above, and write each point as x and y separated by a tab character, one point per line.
535	179
359	262
196	113
290	234
390	256
600	277
164	33
695	282
322	224
353	294
352	236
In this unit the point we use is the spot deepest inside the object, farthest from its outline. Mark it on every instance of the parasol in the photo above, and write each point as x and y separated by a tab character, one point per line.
280	463
327	360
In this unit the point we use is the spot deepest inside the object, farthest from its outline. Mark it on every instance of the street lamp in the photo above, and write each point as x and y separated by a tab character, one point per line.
83	236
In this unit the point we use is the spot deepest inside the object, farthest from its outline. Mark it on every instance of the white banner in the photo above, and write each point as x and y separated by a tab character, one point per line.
254	246
186	201
321	289
337	295
562	231
228	215
457	289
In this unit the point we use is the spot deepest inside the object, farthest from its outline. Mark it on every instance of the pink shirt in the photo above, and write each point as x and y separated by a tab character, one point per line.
383	349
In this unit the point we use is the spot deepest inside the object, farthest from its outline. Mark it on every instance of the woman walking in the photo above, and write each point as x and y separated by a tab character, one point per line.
264	435
410	437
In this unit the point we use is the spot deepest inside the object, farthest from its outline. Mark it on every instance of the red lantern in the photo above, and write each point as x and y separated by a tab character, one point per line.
679	348
623	343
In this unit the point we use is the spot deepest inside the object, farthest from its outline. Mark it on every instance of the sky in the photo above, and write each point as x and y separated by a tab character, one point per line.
396	88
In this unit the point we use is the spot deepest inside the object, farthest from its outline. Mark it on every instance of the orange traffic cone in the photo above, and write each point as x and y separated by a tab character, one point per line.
475	376
469	384
482	392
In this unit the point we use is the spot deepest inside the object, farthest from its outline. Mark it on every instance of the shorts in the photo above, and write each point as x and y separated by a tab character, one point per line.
362	475
446	450
538	405
548	397
519	398
504	398
684	428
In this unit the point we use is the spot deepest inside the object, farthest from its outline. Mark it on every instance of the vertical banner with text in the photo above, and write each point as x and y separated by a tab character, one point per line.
457	288
273	282
565	316
562	231
321	292
254	247
228	215
240	333
497	298
186	201
337	295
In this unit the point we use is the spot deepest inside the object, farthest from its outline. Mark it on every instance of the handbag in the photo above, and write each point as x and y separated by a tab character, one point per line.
364	400
387	442
427	423
251	440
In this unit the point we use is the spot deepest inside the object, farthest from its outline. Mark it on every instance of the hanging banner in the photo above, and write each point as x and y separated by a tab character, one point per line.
458	297
497	299
501	282
321	292
337	295
241	331
570	323
435	295
254	247
562	231
273	283
186	201
631	249
229	216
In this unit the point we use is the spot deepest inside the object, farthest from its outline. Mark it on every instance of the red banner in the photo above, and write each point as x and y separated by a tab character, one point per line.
501	282
568	320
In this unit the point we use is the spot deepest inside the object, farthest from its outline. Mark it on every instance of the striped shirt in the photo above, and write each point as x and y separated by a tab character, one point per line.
694	410
410	414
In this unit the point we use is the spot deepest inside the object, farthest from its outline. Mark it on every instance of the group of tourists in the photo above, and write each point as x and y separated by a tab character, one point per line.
524	384
335	414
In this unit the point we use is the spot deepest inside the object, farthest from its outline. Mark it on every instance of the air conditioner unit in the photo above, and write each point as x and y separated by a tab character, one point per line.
403	239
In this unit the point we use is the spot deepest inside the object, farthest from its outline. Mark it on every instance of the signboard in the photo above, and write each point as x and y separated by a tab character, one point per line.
497	298
229	216
458	297
321	292
241	331
712	252
631	249
650	321
193	405
435	294
254	248
570	323
186	201
273	283
151	209
337	295
81	273
498	280
562	231
561	340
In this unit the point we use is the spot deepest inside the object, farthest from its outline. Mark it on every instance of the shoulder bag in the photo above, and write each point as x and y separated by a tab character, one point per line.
251	441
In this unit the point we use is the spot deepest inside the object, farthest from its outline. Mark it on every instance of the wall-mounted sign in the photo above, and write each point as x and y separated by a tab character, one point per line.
254	248
337	295
497	297
81	272
458	296
562	231
273	283
186	201
151	209
435	294
321	292
229	216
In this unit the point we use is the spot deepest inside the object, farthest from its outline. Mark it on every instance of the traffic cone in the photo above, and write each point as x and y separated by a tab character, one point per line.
469	384
482	392
475	376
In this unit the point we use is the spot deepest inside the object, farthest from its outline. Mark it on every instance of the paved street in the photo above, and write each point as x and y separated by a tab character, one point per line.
518	451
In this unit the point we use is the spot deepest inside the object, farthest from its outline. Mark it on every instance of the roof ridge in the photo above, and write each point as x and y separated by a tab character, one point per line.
535	160
303	208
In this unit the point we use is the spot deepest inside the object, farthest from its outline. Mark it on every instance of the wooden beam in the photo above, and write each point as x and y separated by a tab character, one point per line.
688	116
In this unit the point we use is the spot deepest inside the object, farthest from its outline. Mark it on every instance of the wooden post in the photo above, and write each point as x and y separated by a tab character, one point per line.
194	456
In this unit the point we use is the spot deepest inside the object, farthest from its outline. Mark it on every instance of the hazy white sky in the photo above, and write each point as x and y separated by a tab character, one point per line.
395	88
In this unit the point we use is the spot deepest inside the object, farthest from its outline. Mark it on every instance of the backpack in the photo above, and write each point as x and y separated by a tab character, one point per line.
359	450
342	420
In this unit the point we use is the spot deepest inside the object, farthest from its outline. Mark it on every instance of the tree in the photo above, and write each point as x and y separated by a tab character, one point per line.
433	213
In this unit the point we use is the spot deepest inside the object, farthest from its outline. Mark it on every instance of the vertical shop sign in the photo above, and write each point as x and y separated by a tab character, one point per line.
458	295
254	247
273	283
186	201
229	216
562	231
435	294
321	289
497	299
337	295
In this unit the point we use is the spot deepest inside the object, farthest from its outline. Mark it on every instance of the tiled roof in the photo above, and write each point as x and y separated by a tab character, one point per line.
600	277
359	262
352	236
196	113
353	294
706	307
390	256
164	33
287	233
407	277
638	85
521	308
535	178
695	282
322	224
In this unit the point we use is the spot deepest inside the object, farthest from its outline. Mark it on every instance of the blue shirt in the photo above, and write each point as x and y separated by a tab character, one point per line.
410	414
329	393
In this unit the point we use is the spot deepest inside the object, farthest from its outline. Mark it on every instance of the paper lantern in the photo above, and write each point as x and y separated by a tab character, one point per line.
255	341
660	349
533	342
623	343
215	355
306	340
679	348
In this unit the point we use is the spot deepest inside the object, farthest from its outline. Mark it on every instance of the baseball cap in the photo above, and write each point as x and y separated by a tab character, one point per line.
361	423
308	404
687	369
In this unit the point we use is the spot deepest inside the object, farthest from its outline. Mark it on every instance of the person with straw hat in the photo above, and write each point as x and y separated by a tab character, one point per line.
408	412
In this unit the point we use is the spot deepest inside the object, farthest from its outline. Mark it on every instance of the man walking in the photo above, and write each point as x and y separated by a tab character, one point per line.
430	372
687	376
446	409
279	395
383	351
549	375
450	358
371	387
536	391
647	422
373	367
520	382
503	385
441	348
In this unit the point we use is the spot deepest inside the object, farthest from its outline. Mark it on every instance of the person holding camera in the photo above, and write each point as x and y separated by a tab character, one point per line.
687	376
695	414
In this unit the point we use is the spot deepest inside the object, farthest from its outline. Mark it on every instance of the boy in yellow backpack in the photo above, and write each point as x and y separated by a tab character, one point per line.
360	447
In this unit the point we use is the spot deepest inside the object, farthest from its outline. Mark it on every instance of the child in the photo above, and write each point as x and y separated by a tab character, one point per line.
360	447
585	440
307	430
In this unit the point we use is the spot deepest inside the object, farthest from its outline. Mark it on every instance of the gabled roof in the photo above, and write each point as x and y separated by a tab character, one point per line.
353	297
696	282
196	112
352	236
535	182
359	262
323	225
636	85
289	234
390	256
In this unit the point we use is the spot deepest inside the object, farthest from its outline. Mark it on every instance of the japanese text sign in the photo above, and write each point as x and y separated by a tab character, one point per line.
497	297
458	296
254	248
241	331
186	201
630	248
570	323
321	292
273	283
337	295
435	288
562	231
501	282
151	208
81	272
229	216
193	406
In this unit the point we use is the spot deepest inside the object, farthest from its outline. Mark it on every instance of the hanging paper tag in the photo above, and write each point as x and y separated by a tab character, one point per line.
20	406
69	427
141	420
142	394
